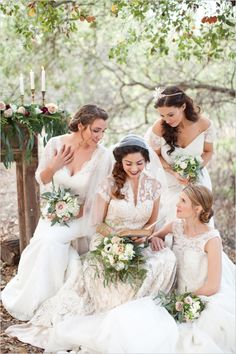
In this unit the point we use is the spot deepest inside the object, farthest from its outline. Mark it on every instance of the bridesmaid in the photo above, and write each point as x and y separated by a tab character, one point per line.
180	130
72	161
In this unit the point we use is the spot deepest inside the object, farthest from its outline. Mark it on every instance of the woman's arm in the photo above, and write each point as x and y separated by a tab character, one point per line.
207	153
214	254
157	237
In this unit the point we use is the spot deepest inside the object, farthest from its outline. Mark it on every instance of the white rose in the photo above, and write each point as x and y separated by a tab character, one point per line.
21	110
183	165
8	113
111	259
38	110
119	266
52	107
2	106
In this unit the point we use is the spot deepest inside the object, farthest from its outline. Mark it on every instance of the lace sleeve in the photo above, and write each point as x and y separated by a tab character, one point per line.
104	189
209	135
153	140
156	189
47	154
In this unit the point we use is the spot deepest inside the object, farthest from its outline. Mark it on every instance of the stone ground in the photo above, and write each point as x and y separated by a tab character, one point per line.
9	229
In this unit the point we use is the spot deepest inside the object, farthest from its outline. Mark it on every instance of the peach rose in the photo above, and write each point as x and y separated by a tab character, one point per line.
21	110
2	106
52	108
8	113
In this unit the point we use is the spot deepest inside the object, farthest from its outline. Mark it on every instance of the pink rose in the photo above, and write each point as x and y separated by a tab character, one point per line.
21	110
60	208
179	306
8	113
52	108
2	106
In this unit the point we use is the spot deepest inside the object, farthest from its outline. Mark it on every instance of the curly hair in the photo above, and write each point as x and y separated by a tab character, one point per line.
87	115
200	195
175	97
118	172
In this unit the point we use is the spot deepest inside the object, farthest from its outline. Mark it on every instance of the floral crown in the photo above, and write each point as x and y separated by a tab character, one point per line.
157	94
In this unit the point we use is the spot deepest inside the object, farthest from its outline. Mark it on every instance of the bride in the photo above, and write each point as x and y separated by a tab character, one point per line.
71	161
127	200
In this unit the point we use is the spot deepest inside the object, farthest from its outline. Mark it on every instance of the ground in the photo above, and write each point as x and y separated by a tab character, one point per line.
9	229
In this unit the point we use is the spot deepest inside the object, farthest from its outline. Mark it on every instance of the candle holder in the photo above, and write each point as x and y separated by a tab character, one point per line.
22	99
32	95
43	98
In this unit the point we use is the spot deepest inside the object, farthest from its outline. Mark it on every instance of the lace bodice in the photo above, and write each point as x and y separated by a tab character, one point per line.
191	257
124	213
79	182
194	148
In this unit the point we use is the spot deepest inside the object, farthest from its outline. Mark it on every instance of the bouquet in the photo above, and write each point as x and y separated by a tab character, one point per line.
61	206
188	167
121	260
182	307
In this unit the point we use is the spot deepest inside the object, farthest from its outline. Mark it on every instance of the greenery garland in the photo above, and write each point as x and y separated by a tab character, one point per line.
20	126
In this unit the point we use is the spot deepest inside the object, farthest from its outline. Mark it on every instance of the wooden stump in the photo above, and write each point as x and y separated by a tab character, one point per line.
28	195
10	251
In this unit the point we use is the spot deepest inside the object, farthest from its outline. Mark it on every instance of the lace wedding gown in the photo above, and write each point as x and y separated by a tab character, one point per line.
195	148
143	326
83	294
45	262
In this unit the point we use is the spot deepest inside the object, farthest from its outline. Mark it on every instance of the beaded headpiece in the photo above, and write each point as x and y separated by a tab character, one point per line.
158	93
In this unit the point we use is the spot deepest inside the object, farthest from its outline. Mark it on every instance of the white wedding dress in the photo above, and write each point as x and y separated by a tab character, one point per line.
143	326
84	295
195	148
45	262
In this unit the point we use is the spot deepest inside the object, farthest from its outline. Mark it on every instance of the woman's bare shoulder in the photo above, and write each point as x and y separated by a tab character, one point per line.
204	123
157	128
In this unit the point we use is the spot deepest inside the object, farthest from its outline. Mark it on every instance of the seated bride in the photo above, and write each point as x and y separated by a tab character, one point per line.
127	204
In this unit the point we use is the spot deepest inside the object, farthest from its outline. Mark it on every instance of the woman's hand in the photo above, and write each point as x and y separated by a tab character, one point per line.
139	240
61	158
157	244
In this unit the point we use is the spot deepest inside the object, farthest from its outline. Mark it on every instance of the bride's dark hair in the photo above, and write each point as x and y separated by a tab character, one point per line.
118	172
173	96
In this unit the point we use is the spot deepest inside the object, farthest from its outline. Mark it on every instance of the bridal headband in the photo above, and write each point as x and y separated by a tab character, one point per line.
133	140
158	93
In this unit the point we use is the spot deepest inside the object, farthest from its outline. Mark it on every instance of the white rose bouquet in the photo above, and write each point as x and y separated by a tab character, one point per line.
120	259
182	307
188	167
61	206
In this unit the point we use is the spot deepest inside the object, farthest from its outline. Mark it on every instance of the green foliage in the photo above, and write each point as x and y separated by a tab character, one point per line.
33	19
193	28
20	130
163	25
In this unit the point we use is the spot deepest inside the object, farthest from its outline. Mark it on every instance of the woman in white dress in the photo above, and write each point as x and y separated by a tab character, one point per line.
71	161
180	131
200	270
127	200
142	325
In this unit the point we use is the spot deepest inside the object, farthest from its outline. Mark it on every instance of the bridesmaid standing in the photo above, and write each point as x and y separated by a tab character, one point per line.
180	131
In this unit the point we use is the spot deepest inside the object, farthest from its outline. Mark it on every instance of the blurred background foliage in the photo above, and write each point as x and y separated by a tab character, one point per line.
114	53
